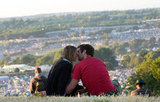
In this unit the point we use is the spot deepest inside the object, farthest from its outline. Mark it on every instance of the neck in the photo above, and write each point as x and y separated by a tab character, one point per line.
88	55
85	56
140	87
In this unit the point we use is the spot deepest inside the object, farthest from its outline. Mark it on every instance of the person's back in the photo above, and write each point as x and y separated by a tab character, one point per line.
38	83
60	73
58	78
94	76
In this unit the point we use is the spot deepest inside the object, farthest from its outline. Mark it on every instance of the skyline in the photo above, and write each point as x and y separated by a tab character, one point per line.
18	8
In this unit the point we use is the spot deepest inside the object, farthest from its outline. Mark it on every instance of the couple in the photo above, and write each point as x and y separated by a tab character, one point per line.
92	71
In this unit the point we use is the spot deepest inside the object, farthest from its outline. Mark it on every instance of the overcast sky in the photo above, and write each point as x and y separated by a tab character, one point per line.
10	8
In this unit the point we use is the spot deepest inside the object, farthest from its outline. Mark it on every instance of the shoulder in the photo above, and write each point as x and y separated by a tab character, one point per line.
78	67
62	62
93	59
33	80
147	90
86	60
43	77
79	64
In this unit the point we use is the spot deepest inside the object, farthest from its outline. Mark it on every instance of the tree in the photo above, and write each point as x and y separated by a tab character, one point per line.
126	44
142	53
135	27
152	42
159	41
28	59
120	50
155	69
25	59
152	55
106	43
136	45
16	70
149	71
126	60
57	55
46	59
108	56
133	60
145	44
3	62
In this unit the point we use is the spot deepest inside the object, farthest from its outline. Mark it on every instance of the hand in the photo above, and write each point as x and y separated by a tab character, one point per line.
81	91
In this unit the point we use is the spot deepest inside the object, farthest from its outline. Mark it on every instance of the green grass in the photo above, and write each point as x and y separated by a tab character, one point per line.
80	99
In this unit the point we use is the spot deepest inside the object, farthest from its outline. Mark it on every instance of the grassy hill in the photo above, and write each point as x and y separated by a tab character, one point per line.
80	99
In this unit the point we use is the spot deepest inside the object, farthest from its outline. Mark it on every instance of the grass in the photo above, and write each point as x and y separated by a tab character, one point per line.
80	99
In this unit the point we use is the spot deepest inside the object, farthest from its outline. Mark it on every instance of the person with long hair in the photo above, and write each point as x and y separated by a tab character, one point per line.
60	74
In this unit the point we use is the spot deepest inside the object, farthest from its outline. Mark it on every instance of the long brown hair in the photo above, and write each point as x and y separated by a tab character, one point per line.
68	52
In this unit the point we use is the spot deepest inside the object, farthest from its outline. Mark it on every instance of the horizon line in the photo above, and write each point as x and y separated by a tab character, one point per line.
32	15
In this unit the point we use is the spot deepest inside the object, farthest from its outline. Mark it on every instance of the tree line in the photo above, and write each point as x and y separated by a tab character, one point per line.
105	54
25	27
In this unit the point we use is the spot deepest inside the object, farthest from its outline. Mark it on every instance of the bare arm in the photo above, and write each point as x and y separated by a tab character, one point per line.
71	86
31	86
133	93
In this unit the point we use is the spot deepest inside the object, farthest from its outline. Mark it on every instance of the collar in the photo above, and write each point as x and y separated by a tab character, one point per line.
39	75
67	60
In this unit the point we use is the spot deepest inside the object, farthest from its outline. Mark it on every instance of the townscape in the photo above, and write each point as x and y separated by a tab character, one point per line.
128	44
59	39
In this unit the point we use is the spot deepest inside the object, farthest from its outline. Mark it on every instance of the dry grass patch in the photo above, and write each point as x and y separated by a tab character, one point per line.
80	99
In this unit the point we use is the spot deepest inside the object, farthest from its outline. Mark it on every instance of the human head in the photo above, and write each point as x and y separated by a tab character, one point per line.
140	83
85	50
69	53
38	70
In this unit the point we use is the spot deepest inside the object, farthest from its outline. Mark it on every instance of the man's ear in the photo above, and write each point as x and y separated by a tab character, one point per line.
84	51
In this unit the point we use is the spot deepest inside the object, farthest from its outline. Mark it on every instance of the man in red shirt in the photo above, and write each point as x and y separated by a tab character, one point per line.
93	73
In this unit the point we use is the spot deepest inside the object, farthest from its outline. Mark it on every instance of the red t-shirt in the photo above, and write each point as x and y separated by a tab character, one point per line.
94	75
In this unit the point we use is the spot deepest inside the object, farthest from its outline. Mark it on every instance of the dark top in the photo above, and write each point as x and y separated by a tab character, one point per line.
59	77
141	91
34	81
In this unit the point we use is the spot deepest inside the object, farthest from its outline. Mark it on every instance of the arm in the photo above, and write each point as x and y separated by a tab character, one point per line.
133	93
71	86
31	86
75	79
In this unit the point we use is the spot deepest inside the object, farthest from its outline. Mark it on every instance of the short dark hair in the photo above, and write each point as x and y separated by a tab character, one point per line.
89	49
38	70
141	85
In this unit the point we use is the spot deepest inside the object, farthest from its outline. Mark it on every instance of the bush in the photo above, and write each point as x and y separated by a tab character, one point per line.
149	71
16	70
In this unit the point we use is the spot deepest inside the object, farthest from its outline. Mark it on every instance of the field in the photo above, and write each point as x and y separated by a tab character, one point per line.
80	99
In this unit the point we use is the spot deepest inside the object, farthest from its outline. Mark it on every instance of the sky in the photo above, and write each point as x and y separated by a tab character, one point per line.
16	8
